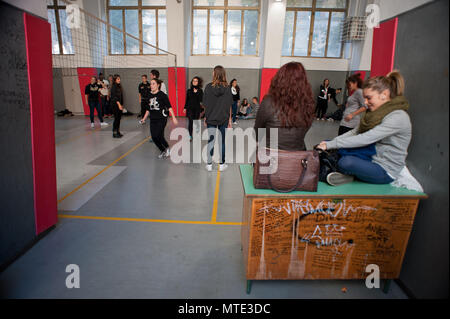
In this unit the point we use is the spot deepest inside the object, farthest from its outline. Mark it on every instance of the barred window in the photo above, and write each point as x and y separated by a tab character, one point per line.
225	27
313	28
144	19
61	34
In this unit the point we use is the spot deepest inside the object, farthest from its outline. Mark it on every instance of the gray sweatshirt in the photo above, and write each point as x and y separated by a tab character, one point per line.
354	103
392	138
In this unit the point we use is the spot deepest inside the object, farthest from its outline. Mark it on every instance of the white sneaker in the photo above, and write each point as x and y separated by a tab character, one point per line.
166	153
209	167
92	125
103	124
222	167
234	123
336	179
161	155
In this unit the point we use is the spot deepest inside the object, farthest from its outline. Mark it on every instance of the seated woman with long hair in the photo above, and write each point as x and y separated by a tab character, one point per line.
289	107
386	127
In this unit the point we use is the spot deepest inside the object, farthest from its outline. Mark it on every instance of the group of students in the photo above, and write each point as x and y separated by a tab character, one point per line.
373	138
97	94
378	128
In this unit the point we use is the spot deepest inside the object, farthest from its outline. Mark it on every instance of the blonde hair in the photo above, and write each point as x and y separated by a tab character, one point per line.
219	76
394	82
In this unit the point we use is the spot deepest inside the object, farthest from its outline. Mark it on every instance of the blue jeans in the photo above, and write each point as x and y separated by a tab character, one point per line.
234	110
95	105
364	170
212	135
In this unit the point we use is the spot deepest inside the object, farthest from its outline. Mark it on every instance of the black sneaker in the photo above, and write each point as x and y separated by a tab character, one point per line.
336	179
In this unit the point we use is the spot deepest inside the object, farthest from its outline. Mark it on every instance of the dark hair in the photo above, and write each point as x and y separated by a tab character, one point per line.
292	96
155	73
324	82
144	75
200	81
115	77
257	100
237	86
355	78
94	77
394	82
100	74
245	99
158	81
219	76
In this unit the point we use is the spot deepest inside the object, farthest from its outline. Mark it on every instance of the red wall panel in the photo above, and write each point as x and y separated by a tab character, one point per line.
181	89
266	77
383	48
84	78
40	79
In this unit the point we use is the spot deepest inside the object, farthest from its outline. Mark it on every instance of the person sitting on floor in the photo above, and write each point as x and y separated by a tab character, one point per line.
384	129
245	109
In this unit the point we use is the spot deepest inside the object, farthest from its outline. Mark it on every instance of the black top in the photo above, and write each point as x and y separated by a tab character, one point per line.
288	138
237	96
217	101
323	94
92	91
116	95
158	105
144	91
193	100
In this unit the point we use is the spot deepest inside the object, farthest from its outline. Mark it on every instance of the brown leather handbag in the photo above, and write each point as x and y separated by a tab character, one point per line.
295	171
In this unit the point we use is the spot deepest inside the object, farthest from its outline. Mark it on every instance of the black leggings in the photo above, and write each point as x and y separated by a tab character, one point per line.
117	117
321	108
344	129
157	132
192	115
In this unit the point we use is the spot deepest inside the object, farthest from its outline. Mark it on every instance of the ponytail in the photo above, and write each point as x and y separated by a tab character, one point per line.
394	82
355	78
397	83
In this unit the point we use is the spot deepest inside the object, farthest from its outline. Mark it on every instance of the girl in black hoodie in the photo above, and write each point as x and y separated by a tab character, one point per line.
194	98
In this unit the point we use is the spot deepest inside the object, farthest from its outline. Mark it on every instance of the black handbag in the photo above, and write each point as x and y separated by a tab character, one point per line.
328	163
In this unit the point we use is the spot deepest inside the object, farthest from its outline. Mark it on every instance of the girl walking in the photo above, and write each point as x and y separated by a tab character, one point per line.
217	100
159	109
194	98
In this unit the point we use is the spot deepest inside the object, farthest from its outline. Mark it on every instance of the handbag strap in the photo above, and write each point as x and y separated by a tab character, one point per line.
299	182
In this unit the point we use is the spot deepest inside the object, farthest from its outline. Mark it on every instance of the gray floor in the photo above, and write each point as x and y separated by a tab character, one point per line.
160	255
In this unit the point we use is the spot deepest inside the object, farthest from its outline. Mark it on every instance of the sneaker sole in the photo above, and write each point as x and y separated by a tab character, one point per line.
336	179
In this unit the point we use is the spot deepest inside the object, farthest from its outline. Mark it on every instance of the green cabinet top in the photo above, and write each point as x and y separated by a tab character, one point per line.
352	189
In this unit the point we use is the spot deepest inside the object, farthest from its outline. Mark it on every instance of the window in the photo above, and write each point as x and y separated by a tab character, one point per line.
61	34
225	27
144	20
313	28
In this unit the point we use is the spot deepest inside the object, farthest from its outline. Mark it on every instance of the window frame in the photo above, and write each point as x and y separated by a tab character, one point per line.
313	10
139	8
225	9
56	7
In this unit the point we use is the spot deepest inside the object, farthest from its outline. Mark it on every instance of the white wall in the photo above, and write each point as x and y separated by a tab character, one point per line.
392	8
37	7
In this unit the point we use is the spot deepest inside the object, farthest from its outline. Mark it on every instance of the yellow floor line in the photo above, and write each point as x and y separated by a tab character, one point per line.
216	198
90	179
150	220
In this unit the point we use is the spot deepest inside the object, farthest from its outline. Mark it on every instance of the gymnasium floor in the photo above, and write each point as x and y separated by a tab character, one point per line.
141	227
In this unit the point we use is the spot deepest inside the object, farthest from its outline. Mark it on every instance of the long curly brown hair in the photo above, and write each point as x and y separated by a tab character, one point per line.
292	96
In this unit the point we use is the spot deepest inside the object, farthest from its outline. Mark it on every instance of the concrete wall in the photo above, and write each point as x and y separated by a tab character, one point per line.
422	55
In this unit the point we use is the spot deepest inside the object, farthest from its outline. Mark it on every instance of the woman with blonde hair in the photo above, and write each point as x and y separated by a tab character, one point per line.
386	125
217	101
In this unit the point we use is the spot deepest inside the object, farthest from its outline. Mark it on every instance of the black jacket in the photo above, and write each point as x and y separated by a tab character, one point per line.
217	101
144	91
193	100
116	95
288	138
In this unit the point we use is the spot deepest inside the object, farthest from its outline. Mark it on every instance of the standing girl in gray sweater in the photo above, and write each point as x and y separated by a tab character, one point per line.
387	124
355	105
